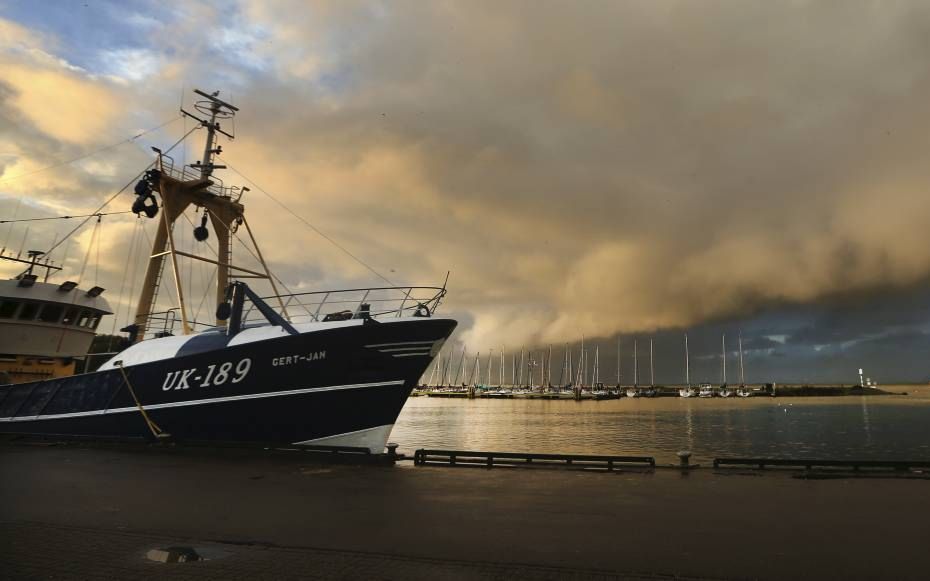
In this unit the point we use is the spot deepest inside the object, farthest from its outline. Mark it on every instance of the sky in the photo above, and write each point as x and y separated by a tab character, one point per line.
605	170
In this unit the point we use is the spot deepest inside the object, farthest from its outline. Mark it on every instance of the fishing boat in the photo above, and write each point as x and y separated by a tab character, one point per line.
688	390
706	390
319	368
45	328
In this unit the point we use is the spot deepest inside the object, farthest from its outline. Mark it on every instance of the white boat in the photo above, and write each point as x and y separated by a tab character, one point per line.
706	390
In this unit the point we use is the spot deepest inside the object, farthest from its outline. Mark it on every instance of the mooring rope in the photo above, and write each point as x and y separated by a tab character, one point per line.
155	429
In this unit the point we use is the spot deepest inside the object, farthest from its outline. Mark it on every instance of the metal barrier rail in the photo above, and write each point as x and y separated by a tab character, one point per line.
761	463
333	449
423	457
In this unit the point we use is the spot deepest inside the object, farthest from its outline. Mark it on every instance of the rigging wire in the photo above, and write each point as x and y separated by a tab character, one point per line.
114	196
309	225
122	284
90	246
9	231
66	217
91	153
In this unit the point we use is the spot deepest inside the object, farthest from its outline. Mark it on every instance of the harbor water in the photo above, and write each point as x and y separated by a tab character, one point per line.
895	427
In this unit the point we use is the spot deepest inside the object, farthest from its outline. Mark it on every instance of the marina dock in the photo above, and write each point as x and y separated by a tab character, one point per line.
79	511
756	390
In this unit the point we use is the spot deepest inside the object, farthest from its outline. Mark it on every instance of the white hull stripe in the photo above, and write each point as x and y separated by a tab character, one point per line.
193	402
421	354
424	344
425	348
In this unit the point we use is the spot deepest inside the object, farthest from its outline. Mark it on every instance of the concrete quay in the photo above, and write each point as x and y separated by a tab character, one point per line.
91	512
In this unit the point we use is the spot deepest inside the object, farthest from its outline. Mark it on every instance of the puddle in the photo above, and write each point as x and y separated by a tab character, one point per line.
185	554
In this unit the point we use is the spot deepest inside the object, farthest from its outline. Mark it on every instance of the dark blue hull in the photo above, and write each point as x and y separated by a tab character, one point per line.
283	390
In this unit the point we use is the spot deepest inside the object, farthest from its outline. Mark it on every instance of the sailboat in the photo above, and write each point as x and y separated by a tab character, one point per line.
687	390
319	368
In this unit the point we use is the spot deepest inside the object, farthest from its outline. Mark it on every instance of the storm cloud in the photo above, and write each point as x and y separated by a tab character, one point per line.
595	168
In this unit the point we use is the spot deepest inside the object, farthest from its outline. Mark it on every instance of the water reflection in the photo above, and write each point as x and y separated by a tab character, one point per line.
843	428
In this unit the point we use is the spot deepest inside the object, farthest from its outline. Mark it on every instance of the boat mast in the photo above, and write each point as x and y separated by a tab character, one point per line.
568	357
177	193
521	366
723	357
583	367
490	353
687	363
652	369
549	367
461	370
500	379
742	379
436	365
618	361
635	365
476	372
597	371
513	369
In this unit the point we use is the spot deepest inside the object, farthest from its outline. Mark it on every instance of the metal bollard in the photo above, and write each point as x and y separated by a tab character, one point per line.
684	458
392	450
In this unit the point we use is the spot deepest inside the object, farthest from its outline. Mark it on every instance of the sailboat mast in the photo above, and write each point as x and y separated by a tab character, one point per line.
500	372
723	357
436	366
618	361
461	369
520	378
490	352
476	373
687	363
568	356
742	379
635	365
513	369
549	367
597	370
652	369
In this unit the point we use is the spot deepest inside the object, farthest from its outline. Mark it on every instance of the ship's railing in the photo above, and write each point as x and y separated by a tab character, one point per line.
186	173
331	305
165	323
359	303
